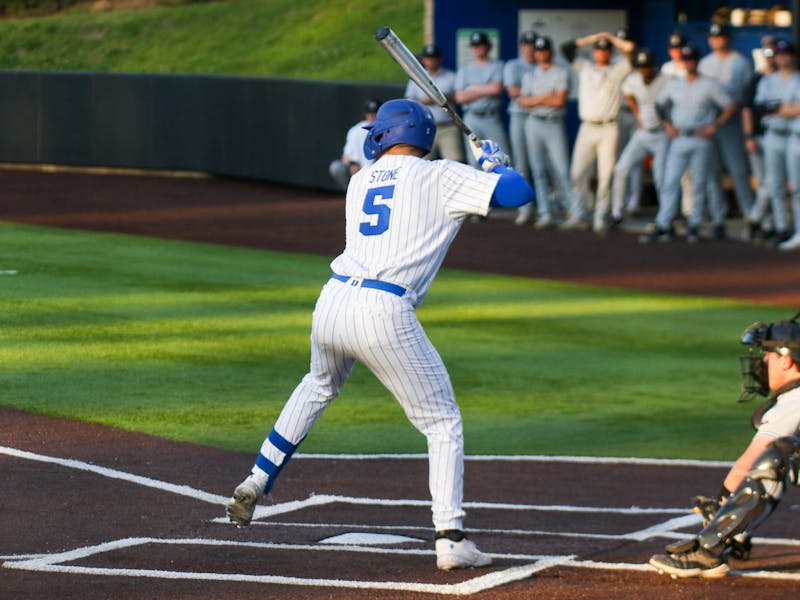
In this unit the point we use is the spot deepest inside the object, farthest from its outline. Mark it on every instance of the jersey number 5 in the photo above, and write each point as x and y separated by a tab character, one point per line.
381	224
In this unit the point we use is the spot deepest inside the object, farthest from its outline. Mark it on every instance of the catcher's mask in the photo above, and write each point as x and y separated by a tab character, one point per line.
782	337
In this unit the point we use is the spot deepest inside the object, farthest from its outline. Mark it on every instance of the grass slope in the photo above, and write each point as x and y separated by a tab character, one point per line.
315	39
203	343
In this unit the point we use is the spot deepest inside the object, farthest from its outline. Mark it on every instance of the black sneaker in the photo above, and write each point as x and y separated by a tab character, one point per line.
656	234
693	235
754	232
778	237
690	560
739	547
719	232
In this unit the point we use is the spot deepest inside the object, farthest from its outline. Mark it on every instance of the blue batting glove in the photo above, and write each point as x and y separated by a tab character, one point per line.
491	155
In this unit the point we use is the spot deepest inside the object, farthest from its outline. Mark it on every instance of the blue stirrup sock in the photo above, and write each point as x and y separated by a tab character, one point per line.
273	467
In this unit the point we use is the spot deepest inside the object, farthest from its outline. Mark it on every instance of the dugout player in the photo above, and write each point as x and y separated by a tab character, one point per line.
734	72
401	214
543	95
640	90
693	109
353	158
448	142
513	72
754	486
479	87
599	99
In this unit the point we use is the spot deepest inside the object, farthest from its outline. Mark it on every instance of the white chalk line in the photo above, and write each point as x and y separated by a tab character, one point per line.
51	563
538	458
665	529
183	490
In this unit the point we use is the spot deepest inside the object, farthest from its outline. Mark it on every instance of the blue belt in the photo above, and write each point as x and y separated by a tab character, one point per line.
377	284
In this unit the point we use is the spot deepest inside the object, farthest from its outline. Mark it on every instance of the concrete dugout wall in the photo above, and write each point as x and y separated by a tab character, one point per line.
280	130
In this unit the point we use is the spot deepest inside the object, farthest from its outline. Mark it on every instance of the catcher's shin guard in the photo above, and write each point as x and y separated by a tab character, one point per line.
757	496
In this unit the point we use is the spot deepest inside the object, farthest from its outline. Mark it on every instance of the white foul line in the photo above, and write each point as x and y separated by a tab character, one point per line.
183	490
470	586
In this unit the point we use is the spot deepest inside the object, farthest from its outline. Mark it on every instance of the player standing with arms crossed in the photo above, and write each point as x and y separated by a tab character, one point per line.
513	72
479	86
449	141
402	213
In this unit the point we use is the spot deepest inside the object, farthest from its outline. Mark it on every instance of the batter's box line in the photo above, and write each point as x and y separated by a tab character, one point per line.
52	564
263	511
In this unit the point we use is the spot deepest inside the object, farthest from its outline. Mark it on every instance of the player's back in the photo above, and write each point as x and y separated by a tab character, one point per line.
403	212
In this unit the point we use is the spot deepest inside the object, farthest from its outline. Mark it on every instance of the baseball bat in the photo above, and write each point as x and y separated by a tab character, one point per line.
395	47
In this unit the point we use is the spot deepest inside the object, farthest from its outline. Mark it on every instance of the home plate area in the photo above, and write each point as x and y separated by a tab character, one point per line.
546	521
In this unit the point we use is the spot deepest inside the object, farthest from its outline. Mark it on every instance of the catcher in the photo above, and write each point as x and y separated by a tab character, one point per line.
754	486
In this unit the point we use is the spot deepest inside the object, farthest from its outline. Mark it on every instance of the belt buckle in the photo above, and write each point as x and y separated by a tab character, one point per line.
355	281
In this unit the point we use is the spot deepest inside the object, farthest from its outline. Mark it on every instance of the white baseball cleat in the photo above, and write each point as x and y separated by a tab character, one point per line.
793	243
243	504
462	554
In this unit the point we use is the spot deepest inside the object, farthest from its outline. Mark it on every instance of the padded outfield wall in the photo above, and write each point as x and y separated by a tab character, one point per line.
279	130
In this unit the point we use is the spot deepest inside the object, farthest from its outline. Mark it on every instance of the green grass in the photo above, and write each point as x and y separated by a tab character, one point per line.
314	39
204	343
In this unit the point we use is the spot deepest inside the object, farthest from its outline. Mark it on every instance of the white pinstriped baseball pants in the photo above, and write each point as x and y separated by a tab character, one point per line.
381	330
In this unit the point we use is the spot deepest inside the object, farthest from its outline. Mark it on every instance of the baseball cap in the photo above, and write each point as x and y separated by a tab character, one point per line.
782	47
372	105
719	30
689	52
603	44
543	43
677	39
528	37
644	58
431	51
477	38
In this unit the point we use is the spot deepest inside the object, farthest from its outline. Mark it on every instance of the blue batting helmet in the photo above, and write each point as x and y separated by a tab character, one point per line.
400	122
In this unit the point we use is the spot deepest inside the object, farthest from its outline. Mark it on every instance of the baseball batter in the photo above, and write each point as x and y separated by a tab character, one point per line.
402	213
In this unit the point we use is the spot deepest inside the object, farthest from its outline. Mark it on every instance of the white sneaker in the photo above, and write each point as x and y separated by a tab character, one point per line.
459	555
243	504
523	215
544	221
793	243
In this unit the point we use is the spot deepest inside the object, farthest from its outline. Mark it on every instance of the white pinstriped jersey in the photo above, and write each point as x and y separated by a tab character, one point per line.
403	213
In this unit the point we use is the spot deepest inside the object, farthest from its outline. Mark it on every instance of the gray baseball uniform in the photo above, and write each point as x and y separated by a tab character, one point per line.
649	139
734	73
777	89
693	104
482	116
546	136
353	151
513	72
793	155
449	141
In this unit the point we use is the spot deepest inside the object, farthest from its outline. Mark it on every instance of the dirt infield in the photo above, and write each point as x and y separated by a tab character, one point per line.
91	513
276	217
